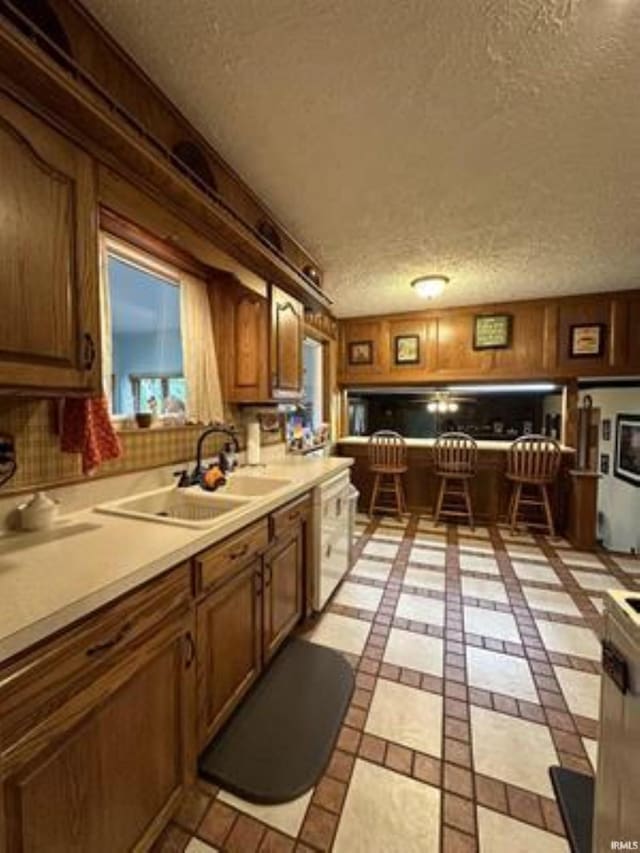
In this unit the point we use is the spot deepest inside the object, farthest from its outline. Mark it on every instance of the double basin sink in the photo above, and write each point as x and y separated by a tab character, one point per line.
194	507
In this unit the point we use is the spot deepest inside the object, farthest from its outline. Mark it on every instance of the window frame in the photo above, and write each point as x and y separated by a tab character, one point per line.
127	253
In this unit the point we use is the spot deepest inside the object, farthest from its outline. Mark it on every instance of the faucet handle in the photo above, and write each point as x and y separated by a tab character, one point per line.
185	479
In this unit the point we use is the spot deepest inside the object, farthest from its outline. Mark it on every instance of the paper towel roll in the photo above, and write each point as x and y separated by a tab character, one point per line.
253	443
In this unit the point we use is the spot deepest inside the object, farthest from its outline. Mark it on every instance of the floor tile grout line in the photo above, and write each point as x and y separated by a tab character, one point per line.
456	604
506	565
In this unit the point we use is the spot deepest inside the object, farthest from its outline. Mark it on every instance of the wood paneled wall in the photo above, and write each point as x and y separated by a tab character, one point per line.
539	346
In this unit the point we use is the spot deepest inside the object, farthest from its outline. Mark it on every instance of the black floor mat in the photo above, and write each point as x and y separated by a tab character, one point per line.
574	792
279	741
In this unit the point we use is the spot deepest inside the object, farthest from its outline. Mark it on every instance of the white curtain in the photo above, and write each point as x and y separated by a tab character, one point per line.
204	396
105	326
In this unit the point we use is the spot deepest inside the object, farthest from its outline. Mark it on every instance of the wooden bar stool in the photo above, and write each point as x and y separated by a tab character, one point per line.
533	462
455	455
388	462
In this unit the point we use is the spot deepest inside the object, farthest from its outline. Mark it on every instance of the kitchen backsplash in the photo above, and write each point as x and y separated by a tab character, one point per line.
41	462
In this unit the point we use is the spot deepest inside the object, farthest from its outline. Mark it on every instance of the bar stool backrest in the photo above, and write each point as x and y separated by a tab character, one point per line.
534	459
387	451
455	453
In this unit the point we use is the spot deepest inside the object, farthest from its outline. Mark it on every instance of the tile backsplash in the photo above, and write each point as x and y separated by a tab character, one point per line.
41	462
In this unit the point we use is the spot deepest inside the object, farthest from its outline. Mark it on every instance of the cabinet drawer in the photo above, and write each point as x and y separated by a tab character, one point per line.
40	681
213	565
290	515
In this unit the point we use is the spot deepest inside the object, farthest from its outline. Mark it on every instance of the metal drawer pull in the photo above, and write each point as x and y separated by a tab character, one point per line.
235	555
109	644
328	550
257	580
191	649
88	351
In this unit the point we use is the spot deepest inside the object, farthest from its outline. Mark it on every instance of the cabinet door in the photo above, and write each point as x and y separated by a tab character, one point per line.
287	328
283	584
229	661
248	366
49	317
104	771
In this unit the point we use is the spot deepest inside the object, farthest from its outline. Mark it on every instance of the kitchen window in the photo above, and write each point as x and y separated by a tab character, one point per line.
146	337
158	347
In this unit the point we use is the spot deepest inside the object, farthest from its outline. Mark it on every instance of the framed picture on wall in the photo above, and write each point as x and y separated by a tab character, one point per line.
407	349
492	331
627	458
606	429
586	341
604	463
361	352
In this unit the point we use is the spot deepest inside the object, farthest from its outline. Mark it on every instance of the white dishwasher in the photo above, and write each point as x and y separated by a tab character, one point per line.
333	532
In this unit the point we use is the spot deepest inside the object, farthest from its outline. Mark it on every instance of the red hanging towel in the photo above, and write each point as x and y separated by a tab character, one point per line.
87	429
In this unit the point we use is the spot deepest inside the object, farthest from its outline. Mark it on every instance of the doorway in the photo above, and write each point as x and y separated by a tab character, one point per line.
313	398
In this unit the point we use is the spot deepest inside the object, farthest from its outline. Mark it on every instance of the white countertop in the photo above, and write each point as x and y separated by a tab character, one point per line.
429	442
53	578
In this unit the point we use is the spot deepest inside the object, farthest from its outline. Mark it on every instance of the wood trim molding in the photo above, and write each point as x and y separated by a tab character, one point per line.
86	112
116	225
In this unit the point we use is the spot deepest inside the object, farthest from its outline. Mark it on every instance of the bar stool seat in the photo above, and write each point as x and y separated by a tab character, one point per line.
455	456
533	462
388	463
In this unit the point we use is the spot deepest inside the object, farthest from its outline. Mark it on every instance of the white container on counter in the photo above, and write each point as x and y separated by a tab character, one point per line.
253	443
39	513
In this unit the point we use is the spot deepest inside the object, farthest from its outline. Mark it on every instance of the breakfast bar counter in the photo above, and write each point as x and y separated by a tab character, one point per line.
489	488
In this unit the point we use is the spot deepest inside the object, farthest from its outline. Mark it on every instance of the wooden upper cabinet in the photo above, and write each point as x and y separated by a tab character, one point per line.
50	317
246	346
287	330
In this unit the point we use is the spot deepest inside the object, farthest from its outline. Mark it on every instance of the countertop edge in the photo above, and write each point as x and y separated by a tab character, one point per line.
426	443
41	629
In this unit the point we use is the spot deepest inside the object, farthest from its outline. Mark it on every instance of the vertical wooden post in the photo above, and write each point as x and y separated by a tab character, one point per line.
583	509
570	414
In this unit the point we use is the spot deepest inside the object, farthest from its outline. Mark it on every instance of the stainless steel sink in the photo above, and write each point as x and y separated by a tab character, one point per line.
182	507
253	487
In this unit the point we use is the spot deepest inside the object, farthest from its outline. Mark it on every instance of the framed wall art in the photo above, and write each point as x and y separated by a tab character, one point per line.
627	457
492	331
360	352
407	349
606	429
586	341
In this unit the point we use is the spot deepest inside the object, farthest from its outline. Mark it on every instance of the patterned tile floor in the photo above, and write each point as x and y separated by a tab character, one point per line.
477	666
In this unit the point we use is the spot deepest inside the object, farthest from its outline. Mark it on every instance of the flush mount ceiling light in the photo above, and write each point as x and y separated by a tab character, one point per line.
429	286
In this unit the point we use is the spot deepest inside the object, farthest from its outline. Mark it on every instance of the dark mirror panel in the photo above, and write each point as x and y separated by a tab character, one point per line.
499	416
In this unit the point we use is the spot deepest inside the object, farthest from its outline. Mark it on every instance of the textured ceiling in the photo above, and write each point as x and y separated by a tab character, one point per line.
495	141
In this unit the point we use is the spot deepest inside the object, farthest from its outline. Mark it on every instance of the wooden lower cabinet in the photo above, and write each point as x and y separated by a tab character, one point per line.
100	727
105	770
228	646
245	618
283	590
